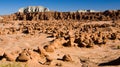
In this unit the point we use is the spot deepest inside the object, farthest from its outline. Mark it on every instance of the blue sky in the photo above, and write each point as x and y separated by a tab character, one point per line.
11	6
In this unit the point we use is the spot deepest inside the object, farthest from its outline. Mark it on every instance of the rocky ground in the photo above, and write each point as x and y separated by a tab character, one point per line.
59	43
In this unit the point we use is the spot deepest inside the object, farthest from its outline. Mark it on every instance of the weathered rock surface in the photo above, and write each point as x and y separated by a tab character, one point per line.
33	9
37	40
67	58
24	56
9	57
33	15
1	19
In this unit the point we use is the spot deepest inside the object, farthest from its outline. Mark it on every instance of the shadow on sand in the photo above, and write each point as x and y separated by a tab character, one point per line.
113	62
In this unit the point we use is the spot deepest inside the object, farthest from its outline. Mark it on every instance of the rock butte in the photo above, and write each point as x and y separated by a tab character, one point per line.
33	9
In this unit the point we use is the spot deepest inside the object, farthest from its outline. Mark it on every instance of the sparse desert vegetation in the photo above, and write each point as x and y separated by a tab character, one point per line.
13	64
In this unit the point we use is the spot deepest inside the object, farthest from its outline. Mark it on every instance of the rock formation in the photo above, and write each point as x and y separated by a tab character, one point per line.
31	14
1	19
33	9
65	34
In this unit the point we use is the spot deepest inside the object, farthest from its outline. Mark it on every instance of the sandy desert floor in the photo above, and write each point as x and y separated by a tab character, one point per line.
80	57
28	50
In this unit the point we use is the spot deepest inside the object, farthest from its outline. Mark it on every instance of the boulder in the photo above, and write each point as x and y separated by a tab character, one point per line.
67	58
55	44
49	48
9	56
36	56
23	56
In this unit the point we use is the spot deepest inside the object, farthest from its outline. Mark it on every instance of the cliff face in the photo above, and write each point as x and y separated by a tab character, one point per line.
33	9
93	16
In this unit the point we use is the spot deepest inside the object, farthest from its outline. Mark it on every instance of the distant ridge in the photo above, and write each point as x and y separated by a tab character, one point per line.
33	9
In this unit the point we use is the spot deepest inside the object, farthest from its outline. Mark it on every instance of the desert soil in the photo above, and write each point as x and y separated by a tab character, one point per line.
78	56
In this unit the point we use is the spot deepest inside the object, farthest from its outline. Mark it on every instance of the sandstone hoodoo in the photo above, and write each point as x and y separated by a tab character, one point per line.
28	14
37	37
1	19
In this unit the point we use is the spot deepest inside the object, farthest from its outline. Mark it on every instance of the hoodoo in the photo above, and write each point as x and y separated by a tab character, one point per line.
1	19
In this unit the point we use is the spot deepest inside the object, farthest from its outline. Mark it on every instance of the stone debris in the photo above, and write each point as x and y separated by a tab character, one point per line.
65	32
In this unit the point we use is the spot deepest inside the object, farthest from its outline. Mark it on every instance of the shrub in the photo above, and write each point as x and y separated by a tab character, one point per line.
14	64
